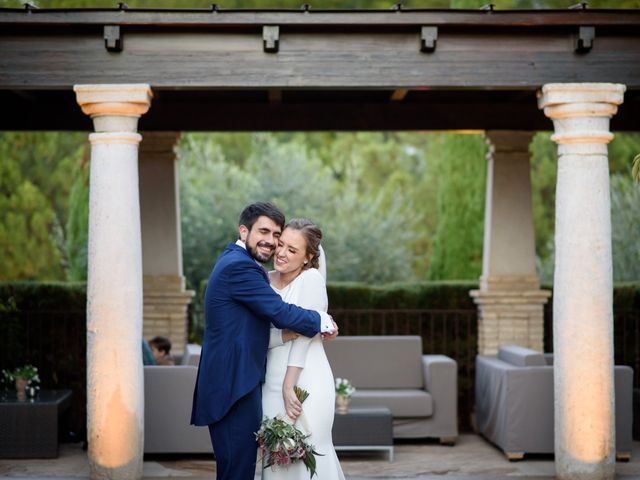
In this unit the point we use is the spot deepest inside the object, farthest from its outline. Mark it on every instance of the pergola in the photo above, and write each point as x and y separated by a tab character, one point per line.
501	72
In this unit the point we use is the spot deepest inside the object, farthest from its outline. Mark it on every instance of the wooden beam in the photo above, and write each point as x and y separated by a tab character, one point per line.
212	60
275	96
326	19
202	111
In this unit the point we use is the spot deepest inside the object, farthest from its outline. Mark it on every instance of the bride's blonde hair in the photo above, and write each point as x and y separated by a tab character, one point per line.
312	235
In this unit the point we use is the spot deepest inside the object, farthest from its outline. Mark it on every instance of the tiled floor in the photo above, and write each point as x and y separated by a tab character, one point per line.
471	458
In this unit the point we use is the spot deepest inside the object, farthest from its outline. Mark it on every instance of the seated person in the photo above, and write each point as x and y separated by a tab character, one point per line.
161	348
147	354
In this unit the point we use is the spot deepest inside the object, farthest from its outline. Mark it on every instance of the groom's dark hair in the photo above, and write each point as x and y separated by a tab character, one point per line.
252	212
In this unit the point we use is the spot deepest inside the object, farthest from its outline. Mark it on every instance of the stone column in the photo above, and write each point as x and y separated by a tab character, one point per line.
165	298
115	388
509	299
583	284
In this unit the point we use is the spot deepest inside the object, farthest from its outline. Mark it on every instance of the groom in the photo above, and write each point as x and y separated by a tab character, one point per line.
239	307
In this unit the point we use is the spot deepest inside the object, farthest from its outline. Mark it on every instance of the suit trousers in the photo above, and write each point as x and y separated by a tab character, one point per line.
233	439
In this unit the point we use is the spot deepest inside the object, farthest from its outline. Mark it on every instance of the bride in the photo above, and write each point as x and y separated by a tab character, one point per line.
302	361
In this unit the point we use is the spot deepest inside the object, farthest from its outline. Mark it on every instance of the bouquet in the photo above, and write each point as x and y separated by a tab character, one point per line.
27	372
281	443
344	387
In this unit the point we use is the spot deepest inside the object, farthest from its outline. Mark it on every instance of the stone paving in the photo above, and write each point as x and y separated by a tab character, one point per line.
472	458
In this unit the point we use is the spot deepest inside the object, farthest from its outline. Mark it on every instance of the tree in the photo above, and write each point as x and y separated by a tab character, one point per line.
457	245
34	187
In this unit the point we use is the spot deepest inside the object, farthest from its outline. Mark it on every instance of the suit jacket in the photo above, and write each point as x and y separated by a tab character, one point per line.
239	308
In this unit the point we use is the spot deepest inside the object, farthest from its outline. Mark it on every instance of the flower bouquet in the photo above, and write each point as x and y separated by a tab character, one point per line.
344	390
344	387
282	444
26	380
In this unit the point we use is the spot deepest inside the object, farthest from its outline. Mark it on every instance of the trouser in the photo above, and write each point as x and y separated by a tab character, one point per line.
233	439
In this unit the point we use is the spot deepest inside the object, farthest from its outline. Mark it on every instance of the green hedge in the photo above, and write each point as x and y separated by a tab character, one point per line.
626	296
432	295
44	296
349	295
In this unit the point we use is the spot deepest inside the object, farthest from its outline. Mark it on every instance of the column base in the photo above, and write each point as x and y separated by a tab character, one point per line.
165	309
510	317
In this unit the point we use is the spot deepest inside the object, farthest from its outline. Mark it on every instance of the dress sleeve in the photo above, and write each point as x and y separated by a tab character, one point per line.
312	295
275	337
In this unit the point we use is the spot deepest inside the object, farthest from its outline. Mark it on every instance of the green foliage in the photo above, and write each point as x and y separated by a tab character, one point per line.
635	172
457	244
365	226
78	225
626	296
419	295
625	228
28	372
32	296
35	169
27	247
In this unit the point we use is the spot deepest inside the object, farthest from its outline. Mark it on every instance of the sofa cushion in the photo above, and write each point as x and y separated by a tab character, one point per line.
191	354
376	361
401	402
521	357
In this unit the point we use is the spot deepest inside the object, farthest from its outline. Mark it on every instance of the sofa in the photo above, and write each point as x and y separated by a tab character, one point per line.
420	390
514	402
168	394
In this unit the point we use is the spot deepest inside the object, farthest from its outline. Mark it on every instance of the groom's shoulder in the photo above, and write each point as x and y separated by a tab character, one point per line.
233	255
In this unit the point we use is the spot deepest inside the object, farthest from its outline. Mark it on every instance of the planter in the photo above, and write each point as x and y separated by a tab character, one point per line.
21	388
342	404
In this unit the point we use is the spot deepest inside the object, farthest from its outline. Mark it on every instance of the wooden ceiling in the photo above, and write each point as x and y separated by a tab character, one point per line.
239	70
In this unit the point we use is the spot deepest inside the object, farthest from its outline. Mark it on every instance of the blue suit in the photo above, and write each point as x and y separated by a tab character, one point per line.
239	307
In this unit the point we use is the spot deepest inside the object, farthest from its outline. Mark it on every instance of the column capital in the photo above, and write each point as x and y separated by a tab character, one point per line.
114	107
553	96
581	113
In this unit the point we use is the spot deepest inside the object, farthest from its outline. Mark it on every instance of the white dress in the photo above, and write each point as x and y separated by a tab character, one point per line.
308	290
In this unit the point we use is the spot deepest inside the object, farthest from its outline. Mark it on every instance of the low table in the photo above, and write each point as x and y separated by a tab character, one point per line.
364	428
29	428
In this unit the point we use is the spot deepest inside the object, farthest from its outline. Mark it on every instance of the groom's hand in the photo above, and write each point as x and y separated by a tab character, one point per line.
331	336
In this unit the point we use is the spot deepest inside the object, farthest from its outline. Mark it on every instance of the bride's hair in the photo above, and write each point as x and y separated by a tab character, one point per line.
312	234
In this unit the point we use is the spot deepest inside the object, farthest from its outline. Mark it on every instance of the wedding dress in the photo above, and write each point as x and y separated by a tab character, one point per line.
308	290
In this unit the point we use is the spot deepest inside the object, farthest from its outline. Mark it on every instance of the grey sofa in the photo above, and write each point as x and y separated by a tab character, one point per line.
420	390
514	402
168	394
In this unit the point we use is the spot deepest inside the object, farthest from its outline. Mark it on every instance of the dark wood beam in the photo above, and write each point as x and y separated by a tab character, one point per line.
213	60
318	18
204	111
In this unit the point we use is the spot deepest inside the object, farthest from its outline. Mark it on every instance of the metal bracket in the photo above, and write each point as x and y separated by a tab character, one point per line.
584	41
428	39
113	40
271	38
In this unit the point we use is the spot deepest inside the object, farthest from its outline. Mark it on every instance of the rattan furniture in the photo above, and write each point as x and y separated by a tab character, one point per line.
29	428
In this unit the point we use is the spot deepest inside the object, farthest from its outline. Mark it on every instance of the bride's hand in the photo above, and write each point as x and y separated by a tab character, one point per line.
292	405
288	335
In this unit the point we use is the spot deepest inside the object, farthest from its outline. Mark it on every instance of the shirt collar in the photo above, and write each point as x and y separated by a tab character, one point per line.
240	243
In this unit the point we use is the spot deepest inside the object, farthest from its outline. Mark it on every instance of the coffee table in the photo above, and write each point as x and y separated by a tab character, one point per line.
364	428
29	428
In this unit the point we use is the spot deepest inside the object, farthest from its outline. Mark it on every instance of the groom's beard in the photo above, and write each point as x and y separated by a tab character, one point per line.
259	256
